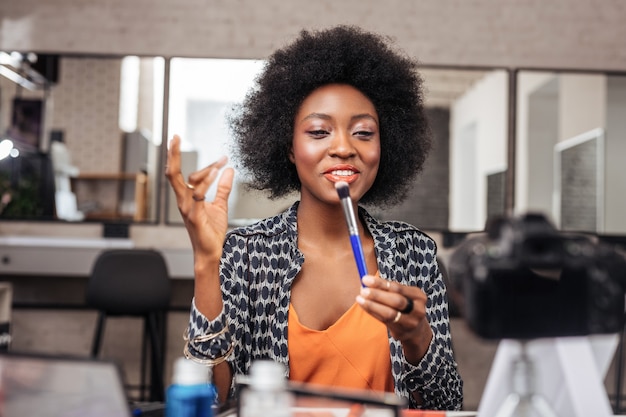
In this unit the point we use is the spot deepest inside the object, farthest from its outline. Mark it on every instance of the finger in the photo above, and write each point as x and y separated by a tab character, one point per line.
172	168
376	282
206	177
200	175
224	187
389	286
410	305
173	157
174	174
201	183
385	304
201	180
383	312
386	292
408	300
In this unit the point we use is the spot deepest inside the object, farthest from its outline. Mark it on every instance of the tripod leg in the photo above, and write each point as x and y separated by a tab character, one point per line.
508	407
619	370
542	406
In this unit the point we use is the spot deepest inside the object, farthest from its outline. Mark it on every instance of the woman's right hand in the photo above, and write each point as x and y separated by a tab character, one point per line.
206	221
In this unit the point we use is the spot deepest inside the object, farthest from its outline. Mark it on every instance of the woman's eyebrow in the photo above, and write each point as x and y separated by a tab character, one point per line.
328	117
365	116
317	116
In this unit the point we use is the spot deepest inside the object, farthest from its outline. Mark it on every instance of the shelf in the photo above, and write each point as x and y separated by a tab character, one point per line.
140	199
113	176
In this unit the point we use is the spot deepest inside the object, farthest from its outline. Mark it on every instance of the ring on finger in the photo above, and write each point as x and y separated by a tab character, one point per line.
198	198
189	186
409	306
397	318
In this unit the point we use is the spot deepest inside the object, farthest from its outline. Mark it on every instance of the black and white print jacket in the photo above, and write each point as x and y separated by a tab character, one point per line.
258	266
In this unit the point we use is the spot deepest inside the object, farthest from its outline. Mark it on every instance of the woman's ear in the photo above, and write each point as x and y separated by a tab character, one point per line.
291	157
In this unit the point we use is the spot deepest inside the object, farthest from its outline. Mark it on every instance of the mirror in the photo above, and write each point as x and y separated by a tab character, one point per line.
570	149
108	113
85	133
202	92
462	182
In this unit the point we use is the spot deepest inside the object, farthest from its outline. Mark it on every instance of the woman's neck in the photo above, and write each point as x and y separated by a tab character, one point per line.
320	222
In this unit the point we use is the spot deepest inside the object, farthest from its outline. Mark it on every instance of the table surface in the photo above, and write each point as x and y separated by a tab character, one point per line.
74	256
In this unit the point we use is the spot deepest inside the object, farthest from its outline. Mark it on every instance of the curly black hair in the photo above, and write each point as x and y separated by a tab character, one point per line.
263	125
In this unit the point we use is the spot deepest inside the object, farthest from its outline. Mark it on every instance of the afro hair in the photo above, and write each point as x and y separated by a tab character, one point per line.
263	125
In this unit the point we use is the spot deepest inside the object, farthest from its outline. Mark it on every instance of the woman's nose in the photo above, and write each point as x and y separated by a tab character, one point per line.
341	145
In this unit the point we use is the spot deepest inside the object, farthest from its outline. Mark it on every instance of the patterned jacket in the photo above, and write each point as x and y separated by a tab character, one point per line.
258	266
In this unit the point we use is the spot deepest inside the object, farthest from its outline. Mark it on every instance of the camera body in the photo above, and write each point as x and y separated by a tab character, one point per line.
525	280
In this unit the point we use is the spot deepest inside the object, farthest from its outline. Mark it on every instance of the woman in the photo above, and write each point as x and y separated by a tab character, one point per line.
335	105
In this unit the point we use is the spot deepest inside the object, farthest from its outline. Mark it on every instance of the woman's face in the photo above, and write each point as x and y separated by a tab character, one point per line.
336	138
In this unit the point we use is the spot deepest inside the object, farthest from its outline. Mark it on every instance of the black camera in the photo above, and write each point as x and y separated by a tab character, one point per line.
523	279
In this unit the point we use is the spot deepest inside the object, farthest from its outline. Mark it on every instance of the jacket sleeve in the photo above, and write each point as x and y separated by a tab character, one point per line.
200	327
228	324
435	377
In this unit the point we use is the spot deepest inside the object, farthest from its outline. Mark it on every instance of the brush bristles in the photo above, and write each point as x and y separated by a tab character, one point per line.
342	189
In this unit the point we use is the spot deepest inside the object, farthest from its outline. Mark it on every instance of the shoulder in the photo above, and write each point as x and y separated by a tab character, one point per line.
398	231
271	227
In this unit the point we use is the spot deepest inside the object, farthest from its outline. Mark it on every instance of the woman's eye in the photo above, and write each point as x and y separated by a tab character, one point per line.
317	133
364	133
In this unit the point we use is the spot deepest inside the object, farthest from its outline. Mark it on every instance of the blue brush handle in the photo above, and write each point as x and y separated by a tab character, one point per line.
357	250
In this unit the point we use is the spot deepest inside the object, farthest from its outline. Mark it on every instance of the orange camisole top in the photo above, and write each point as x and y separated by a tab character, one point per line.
352	353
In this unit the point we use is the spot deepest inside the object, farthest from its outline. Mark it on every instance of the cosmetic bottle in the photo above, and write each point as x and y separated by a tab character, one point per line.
266	394
191	393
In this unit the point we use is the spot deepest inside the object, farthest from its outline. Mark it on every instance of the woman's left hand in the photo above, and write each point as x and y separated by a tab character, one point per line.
403	309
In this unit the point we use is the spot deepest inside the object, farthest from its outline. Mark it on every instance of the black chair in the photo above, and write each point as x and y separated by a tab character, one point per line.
133	282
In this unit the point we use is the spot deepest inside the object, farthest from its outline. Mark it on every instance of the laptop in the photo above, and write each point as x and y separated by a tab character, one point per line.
53	386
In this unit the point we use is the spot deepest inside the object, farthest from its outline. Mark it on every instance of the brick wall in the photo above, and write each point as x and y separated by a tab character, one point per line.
536	33
85	105
427	203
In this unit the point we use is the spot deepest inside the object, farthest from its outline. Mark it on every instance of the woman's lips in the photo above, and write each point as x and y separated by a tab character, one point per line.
342	174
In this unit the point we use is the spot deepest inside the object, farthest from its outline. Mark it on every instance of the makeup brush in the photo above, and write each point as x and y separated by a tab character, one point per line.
348	210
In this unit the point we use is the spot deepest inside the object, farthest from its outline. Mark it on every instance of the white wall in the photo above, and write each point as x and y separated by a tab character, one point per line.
615	185
482	111
533	89
582	104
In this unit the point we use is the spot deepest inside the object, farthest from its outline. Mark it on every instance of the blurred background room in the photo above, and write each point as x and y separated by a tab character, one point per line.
526	100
